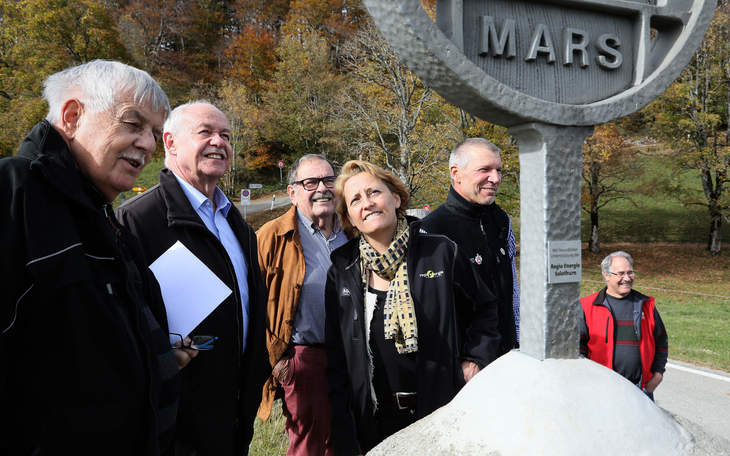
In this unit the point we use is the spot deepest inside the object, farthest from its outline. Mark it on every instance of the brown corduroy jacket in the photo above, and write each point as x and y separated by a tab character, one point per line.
282	265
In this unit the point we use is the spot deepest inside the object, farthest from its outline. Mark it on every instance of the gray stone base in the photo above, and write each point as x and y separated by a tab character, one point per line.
522	406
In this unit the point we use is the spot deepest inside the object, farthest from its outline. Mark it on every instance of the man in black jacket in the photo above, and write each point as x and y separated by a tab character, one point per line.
221	387
84	366
483	231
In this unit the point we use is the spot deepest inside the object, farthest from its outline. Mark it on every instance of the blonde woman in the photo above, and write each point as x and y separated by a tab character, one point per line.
402	338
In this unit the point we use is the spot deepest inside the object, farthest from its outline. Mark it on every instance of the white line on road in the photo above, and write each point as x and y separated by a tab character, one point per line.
699	372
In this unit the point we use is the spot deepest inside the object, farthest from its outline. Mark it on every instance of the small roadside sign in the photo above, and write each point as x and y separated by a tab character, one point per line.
427	207
280	164
252	186
245	197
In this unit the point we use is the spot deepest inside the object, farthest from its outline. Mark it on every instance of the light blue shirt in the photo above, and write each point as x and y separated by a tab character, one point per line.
309	319
218	225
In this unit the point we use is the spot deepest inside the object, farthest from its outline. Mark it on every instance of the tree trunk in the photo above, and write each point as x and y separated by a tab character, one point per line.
595	243
714	244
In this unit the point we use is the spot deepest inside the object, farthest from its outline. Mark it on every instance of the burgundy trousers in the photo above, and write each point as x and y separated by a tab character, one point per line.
306	403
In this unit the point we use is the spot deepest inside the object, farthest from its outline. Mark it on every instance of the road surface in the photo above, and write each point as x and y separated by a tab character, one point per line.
699	397
264	204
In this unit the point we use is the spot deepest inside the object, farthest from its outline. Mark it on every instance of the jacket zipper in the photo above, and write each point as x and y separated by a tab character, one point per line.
146	351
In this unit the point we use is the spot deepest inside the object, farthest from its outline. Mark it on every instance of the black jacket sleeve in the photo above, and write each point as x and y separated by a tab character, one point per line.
477	313
343	429
661	343
583	333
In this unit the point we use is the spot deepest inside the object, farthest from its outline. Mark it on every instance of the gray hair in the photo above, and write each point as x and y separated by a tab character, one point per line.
460	158
101	83
292	176
174	120
606	263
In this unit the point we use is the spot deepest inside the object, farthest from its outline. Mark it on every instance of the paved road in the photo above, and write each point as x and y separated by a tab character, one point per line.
698	395
265	204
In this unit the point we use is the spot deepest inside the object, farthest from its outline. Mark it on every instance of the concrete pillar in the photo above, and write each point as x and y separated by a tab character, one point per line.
551	159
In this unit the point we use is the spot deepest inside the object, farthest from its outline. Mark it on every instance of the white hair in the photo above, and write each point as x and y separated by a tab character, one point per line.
174	120
101	83
460	158
606	263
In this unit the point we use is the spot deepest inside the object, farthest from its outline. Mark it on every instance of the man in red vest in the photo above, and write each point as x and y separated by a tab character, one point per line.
621	328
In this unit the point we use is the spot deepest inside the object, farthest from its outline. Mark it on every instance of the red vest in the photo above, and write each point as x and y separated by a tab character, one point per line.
601	330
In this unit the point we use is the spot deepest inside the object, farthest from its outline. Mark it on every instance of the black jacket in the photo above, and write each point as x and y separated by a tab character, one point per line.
482	234
85	369
221	387
451	328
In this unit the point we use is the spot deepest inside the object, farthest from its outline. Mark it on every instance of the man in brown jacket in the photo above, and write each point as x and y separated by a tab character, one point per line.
294	256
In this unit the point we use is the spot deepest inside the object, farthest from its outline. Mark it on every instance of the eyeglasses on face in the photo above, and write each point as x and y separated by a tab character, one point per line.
629	274
311	183
196	342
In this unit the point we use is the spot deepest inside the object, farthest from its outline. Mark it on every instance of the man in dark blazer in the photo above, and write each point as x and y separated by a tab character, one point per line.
221	387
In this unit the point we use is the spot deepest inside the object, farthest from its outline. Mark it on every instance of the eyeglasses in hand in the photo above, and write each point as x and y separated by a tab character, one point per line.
311	183
201	343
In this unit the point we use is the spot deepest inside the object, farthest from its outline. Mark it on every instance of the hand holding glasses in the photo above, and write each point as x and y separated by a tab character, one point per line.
200	343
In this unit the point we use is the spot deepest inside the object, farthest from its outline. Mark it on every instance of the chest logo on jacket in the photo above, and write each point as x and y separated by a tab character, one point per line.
345	292
431	275
477	259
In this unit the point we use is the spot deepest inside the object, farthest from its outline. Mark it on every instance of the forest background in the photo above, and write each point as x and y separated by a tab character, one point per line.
315	76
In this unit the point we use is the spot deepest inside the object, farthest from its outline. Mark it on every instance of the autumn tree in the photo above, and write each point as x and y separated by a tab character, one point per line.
181	43
692	116
249	150
401	121
607	162
298	105
41	37
335	20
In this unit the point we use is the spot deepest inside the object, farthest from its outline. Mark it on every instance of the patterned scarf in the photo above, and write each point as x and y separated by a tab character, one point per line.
399	312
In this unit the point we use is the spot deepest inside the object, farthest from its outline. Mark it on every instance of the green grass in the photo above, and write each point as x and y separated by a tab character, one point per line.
269	437
657	216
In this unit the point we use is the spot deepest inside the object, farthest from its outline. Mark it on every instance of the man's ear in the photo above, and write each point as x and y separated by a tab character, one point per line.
290	190
71	113
169	141
454	172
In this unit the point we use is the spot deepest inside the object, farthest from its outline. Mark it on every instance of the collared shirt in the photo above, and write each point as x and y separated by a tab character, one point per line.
309	320
218	225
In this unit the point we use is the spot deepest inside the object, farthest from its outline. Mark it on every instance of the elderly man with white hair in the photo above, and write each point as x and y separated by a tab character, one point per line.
86	367
221	387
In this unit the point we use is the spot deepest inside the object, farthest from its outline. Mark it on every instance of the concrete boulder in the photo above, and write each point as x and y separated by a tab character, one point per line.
522	406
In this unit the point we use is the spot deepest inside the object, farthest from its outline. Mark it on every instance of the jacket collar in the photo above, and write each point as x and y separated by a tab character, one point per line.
347	255
49	154
458	204
287	223
635	295
179	209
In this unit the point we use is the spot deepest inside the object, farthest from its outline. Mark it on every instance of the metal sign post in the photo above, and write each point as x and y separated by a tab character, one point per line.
549	70
280	164
245	199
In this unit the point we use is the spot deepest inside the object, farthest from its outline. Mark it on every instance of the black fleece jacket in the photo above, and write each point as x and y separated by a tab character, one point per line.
86	368
453	326
481	231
